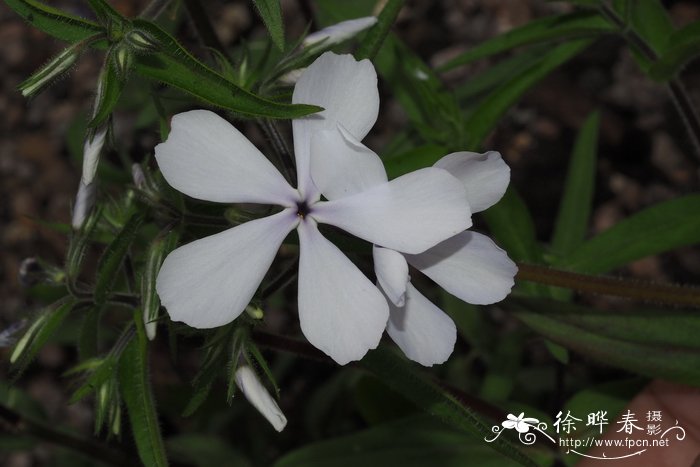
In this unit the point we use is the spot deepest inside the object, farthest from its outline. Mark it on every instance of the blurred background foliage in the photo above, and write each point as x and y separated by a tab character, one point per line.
586	100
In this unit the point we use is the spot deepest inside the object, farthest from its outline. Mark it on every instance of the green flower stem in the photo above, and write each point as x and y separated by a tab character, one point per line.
679	95
15	422
666	294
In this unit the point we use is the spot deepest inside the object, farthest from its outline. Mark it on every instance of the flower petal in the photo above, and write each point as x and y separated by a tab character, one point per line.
339	32
91	154
209	282
485	176
259	397
207	158
470	266
422	330
343	166
340	310
347	90
391	269
409	214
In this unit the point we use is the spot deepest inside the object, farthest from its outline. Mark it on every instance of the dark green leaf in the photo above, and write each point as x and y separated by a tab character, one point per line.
649	19
112	259
684	45
410	442
88	340
655	343
377	34
568	26
176	67
659	228
54	22
414	159
79	243
136	389
38	333
271	14
512	226
109	90
403	378
575	206
490	110
149	298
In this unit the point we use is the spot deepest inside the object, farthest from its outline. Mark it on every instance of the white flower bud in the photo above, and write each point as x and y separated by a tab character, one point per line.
84	201
259	397
91	154
291	77
138	176
141	41
339	32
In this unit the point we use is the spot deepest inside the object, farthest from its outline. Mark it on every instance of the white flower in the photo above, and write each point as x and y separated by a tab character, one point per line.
468	265
209	282
339	32
248	382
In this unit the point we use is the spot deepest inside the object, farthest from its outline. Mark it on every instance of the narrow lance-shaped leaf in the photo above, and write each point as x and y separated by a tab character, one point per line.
655	343
656	229
567	26
174	66
53	21
271	13
79	243
486	115
575	207
113	258
135	387
400	376
377	34
109	89
38	333
684	46
149	298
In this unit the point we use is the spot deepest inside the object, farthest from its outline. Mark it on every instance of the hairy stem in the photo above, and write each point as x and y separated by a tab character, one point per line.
666	294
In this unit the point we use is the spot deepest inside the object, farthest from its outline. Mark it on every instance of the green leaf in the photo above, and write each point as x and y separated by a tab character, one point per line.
575	207
377	34
271	13
649	19
399	375
414	159
112	259
659	228
136	390
486	115
109	90
656	343
513	228
561	27
79	243
38	333
409	442
54	22
88	340
176	67
149	298
684	45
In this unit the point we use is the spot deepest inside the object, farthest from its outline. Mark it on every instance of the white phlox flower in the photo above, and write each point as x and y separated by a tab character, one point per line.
469	266
209	282
259	397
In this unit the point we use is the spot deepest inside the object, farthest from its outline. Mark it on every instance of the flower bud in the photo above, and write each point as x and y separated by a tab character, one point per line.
138	176
123	59
259	397
339	32
7	335
84	202
141	41
31	272
51	71
94	142
255	312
